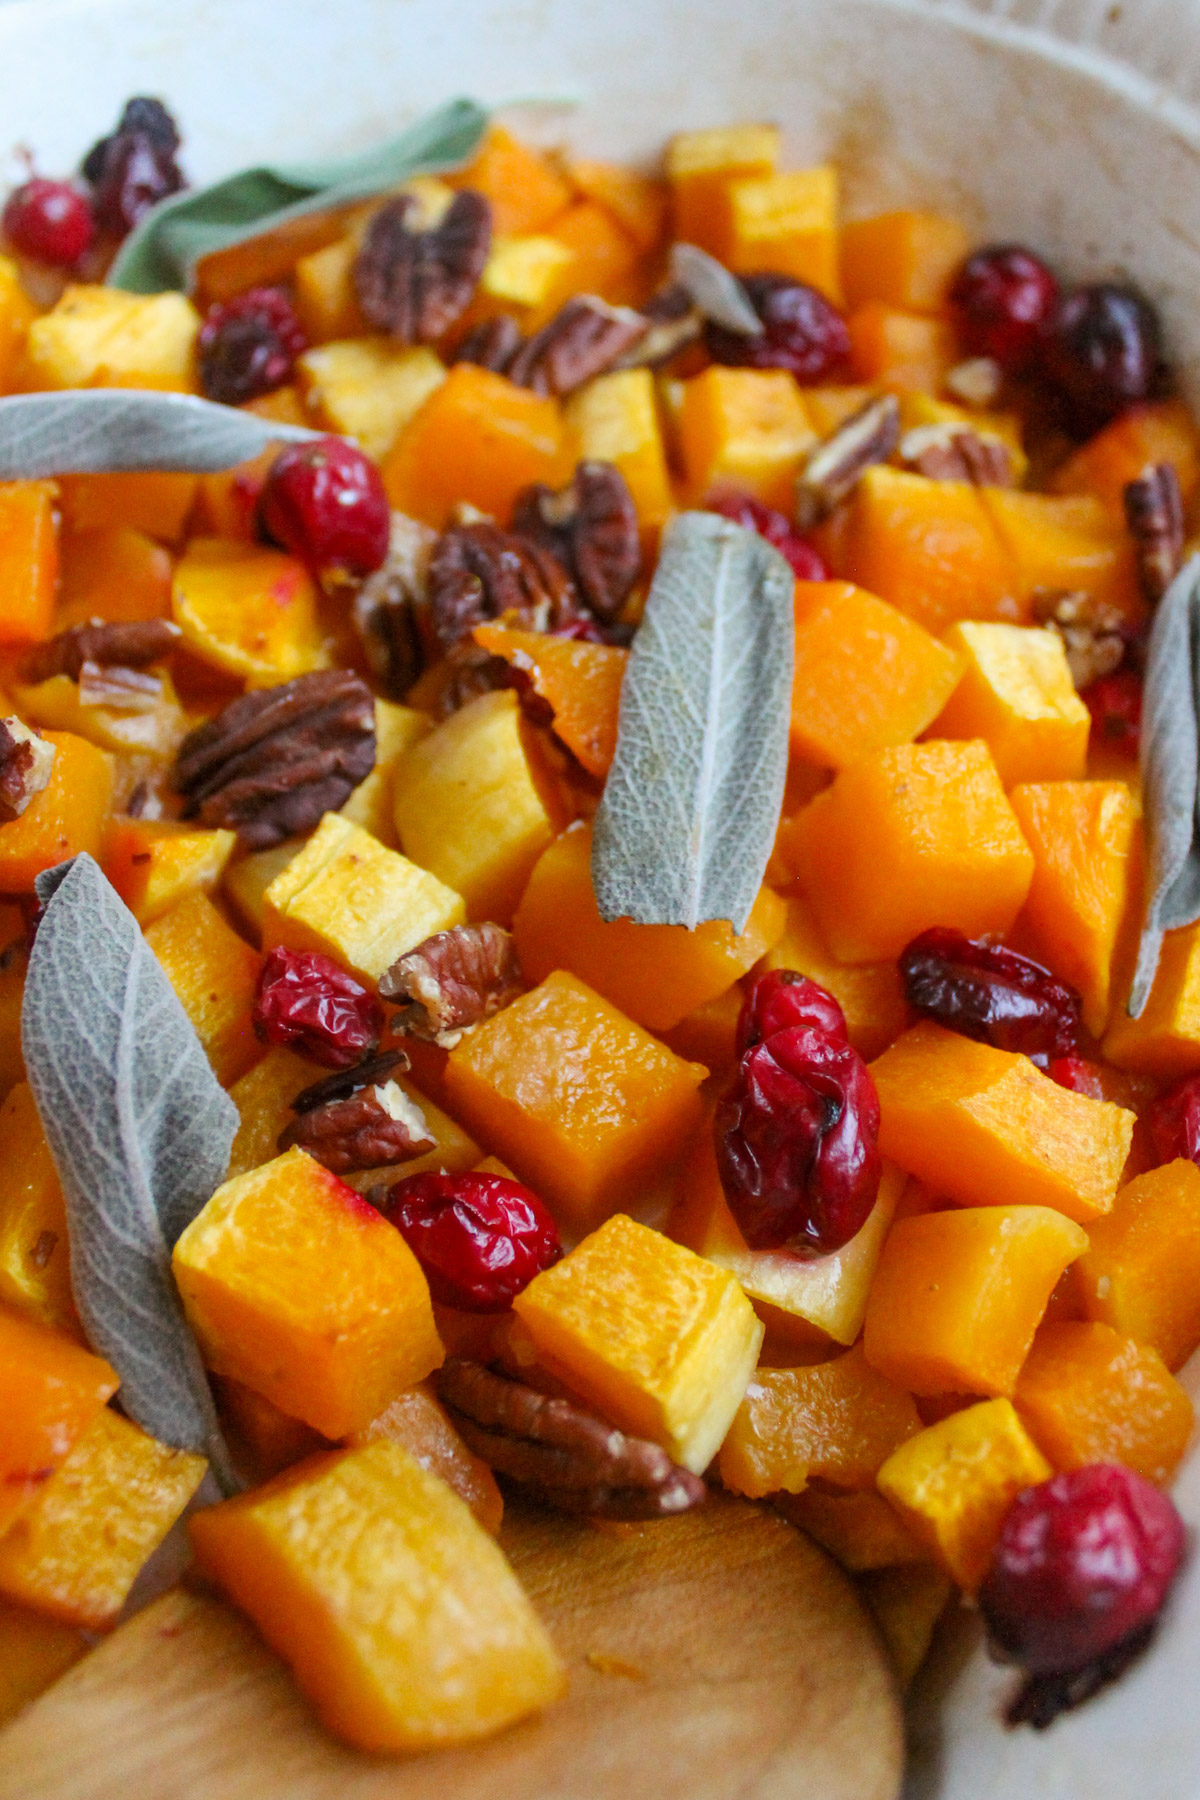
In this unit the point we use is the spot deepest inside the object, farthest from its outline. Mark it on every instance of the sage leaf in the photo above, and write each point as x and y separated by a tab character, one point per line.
1170	775
686	825
140	1132
96	431
719	295
164	249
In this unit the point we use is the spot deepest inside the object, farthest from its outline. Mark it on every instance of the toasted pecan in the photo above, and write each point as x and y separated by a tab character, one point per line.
453	980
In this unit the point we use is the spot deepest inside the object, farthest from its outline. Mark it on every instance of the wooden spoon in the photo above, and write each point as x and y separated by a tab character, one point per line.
717	1656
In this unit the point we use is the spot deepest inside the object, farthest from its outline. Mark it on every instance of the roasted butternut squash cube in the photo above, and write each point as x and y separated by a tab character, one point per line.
69	817
248	610
655	973
708	1035
371	805
215	974
34	1652
524	274
857	1527
262	1439
700	164
153	731
35	1267
348	896
525	188
1070	541
325	295
906	259
958	1296
870	994
28	560
614	419
112	572
154	502
416	1422
904	352
1141	1274
906	1603
579	681
975	1123
104	337
838	1421
579	1100
603	257
474	807
637	202
1165	1040
1163	431
51	1390
1086	845
1088	1395
156	863
866	676
1016	693
17	313
76	1552
368	388
660	1341
743	430
14	960
785	222
247	879
297	1287
907	838
955	1481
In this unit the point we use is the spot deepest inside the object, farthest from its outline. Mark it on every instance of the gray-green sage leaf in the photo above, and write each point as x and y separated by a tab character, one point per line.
95	431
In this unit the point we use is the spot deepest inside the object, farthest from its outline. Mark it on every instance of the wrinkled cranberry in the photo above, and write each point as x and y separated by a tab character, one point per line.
248	346
308	1003
1115	703
49	220
783	998
134	168
1104	352
480	1239
802	331
1080	1075
1174	1122
806	562
1003	300
325	502
994	995
1082	1567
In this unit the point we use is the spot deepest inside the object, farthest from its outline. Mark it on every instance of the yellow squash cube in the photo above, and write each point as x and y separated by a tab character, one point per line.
35	1268
17	313
786	223
372	804
34	1652
527	273
615	419
1016	693
248	610
1165	1041
104	337
400	1616
660	1341
368	388
156	863
348	896
247	879
215	974
700	164
744	430
61	704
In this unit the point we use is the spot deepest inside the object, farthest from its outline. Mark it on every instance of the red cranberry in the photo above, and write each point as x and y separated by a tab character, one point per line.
774	526
134	168
480	1239
50	221
1080	1075
991	994
325	502
248	346
308	1003
1003	299
1174	1122
1104	353
1115	703
783	998
802	331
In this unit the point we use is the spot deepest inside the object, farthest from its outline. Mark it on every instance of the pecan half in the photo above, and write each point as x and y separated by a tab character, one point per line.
26	764
1092	631
561	1454
952	452
834	466
359	1119
583	340
491	345
413	283
388	605
591	526
454	979
478	572
274	761
128	646
1154	514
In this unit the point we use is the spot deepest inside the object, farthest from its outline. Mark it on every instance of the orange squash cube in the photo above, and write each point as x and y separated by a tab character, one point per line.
112	572
866	676
297	1287
28	560
1086	847
904	352
325	297
637	202
1163	431
976	1123
955	1481
785	222
69	817
657	974
17	313
35	1268
399	1615
837	1421
580	682
1141	1274
906	1603
526	190
857	1527
478	439
51	1390
906	259
248	610
579	1100
1065	542
215	974
708	1035
156	863
262	1439
615	419
34	1652
700	165
744	430
76	1552
1016	693
1165	1040
154	503
907	838
416	1422
659	1340
1088	1395
870	994
958	1296
603	255
13	963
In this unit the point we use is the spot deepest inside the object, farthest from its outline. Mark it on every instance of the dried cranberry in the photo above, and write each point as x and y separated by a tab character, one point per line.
802	331
1115	703
1080	1075
49	220
1104	353
1174	1122
134	168
248	346
308	1003
1003	300
994	995
479	1238
783	998
774	526
1082	1568
325	502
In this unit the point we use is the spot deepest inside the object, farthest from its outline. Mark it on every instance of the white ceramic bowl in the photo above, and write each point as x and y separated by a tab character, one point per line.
1071	124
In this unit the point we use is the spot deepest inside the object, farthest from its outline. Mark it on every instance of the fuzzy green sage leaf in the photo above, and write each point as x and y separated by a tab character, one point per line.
164	249
95	431
688	818
140	1132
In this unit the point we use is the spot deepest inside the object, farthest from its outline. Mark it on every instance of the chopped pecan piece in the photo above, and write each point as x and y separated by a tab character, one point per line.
413	283
561	1454
831	470
389	603
128	646
478	572
454	979
591	526
583	340
674	321
1154	514
359	1118
26	764
274	761
491	345
952	452
118	689
976	382
1092	631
